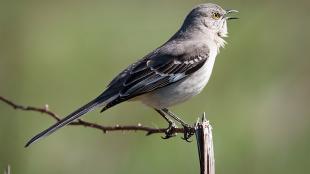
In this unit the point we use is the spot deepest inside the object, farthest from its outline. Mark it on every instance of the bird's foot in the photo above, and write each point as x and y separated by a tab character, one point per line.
189	131
170	131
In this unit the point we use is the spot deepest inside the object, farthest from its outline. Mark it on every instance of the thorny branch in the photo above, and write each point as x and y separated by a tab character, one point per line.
80	122
203	131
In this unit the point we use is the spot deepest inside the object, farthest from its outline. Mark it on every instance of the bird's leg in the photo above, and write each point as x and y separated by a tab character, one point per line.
170	131
188	130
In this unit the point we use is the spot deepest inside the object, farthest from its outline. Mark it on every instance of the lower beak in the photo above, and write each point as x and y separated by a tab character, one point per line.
230	18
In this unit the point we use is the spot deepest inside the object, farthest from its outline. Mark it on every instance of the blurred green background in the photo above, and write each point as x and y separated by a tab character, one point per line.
64	53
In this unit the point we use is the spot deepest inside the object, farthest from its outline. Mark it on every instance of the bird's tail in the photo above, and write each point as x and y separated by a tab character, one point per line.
70	118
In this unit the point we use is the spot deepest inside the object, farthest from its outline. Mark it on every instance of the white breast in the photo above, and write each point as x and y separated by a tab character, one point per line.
184	89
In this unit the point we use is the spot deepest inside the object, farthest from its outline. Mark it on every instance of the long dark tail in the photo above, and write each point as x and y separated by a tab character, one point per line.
68	119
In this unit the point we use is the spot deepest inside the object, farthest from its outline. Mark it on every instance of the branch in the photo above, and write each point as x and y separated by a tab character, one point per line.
80	122
203	131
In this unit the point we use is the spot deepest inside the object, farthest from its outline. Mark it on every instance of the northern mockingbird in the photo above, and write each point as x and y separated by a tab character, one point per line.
171	74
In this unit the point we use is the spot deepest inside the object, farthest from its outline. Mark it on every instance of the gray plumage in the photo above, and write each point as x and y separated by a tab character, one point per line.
172	73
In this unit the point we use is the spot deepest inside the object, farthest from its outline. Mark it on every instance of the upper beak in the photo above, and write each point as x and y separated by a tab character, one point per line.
231	11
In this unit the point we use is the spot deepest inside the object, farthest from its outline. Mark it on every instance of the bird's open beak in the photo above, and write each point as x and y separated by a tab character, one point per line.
231	11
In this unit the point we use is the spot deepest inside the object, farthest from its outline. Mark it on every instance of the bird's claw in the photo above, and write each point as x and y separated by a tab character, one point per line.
188	133
170	131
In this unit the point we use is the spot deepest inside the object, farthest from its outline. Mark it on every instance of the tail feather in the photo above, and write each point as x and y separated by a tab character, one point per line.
68	119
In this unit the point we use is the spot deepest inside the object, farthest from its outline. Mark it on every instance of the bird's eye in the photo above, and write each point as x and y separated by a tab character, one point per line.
216	15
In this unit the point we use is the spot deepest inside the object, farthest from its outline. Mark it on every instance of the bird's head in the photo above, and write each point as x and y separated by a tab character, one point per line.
210	18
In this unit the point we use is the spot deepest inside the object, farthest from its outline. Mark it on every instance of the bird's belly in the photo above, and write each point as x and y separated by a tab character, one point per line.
181	90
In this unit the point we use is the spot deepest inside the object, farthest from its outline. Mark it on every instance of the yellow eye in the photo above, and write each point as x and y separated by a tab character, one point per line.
216	15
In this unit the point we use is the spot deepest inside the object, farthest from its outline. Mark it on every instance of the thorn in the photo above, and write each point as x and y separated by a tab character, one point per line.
46	107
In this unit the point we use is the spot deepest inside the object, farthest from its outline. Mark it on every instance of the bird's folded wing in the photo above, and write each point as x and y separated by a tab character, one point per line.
159	72
153	72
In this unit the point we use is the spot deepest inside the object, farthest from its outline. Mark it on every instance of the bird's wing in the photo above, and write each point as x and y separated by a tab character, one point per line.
157	70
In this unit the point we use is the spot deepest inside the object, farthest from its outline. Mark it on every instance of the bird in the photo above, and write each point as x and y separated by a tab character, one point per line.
171	74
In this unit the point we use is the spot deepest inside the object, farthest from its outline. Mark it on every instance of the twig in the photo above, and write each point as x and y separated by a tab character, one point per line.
80	122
